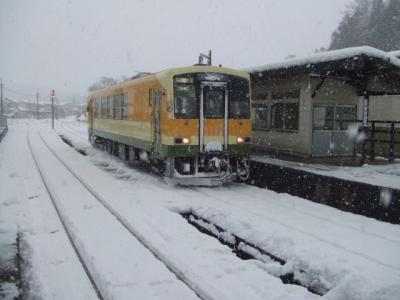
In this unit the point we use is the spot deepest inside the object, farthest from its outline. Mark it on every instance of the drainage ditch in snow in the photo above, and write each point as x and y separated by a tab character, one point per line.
272	264
69	143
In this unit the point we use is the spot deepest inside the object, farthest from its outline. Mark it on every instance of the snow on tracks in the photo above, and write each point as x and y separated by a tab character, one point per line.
319	239
50	268
142	204
119	264
349	259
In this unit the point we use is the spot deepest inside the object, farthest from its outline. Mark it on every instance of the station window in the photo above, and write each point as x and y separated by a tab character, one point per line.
333	117
285	110
260	116
285	116
344	116
323	118
124	106
116	107
109	107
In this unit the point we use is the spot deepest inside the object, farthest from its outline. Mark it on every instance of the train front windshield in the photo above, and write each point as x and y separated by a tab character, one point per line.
214	102
187	89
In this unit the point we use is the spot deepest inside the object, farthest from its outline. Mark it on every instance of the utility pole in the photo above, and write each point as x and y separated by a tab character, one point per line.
1	96
56	108
37	103
53	93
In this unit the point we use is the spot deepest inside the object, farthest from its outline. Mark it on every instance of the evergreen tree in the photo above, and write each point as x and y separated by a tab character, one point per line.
391	26
373	23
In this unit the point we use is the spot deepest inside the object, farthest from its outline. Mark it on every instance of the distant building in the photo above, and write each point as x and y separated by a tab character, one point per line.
311	107
26	109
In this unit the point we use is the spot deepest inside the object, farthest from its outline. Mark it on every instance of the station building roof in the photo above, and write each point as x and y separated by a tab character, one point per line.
355	65
395	53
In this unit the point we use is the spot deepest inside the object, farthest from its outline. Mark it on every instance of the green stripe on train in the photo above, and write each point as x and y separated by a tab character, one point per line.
167	150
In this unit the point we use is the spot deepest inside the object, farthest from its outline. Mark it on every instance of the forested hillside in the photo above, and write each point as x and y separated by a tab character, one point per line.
373	23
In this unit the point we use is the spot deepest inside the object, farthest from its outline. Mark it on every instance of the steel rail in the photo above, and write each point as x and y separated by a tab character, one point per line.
202	293
69	234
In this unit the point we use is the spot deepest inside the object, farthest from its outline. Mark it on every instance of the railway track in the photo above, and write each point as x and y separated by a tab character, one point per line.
248	284
202	291
334	244
68	232
324	219
231	197
331	221
303	213
307	213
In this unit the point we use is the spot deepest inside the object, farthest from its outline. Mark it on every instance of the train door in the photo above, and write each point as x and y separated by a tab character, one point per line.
156	99
330	130
213	116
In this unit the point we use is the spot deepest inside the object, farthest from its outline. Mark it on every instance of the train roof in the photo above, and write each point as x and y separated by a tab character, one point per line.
201	68
166	76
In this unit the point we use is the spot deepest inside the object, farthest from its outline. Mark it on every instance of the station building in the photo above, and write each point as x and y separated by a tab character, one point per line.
315	106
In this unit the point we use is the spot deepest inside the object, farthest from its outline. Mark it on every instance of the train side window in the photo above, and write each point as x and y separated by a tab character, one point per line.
116	107
185	97
103	107
97	107
109	107
124	106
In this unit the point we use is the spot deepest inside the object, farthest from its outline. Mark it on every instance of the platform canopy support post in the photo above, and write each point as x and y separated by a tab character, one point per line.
364	152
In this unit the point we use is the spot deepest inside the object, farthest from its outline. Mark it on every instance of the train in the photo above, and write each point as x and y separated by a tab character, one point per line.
191	124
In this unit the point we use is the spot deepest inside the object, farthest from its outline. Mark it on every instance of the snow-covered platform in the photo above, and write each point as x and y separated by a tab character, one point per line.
370	190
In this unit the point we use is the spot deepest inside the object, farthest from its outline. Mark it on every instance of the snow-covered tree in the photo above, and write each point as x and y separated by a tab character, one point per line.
102	83
374	23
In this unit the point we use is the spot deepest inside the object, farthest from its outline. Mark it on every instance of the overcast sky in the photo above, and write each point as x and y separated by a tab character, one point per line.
67	45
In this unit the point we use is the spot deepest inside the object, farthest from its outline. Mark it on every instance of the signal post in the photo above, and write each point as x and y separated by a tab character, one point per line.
52	94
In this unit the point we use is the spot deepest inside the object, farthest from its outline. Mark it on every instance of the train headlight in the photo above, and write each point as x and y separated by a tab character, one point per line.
185	141
243	140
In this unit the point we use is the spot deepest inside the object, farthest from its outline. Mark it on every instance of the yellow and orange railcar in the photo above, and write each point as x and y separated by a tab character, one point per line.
193	123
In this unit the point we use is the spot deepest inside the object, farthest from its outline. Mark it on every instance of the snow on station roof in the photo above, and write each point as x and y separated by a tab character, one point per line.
332	62
395	53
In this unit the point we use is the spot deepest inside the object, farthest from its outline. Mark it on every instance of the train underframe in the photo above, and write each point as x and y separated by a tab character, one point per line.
207	169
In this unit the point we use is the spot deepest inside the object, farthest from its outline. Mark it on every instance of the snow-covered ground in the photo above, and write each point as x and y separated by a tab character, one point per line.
352	256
